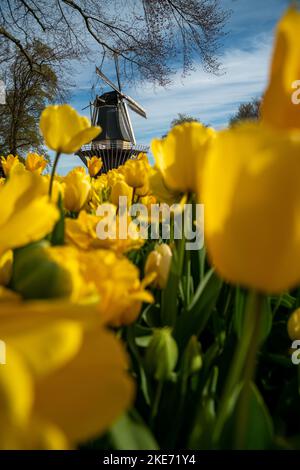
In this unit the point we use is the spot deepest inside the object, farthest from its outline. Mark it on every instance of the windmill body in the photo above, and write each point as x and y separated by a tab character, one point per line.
116	142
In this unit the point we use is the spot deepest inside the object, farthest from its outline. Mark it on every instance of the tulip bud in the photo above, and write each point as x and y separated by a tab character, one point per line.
192	360
37	276
162	354
159	262
294	325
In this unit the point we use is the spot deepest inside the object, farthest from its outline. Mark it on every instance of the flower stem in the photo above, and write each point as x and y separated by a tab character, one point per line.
53	173
157	397
244	354
249	371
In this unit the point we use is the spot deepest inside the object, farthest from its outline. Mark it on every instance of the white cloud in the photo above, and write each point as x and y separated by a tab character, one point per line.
212	99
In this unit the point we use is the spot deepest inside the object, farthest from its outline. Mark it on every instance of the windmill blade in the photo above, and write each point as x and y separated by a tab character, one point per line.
107	80
128	122
116	57
131	102
137	108
86	107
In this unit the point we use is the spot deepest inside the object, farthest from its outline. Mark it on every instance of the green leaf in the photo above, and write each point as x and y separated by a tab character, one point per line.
195	318
130	433
259	430
143	383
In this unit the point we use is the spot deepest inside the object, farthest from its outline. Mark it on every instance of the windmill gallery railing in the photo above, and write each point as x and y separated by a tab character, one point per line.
112	153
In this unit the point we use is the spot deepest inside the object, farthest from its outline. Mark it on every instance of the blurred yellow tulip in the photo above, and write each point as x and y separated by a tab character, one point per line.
279	108
77	189
293	326
10	164
251	195
26	214
64	382
159	189
180	157
64	130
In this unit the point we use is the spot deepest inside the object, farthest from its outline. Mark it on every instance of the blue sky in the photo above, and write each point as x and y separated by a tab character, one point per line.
245	57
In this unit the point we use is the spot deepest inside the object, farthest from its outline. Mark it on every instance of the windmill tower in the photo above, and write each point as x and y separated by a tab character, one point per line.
116	142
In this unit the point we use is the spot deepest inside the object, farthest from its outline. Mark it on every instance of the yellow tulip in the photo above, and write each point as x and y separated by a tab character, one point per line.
160	190
94	165
35	163
58	187
77	189
121	188
294	325
159	263
117	282
180	157
82	233
64	381
278	108
26	213
251	195
135	173
97	276
99	191
64	130
10	164
113	176
143	190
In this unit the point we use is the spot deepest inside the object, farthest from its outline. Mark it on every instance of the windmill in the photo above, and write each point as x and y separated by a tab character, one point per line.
116	142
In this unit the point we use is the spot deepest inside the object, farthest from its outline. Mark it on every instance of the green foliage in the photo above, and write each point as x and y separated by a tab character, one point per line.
215	327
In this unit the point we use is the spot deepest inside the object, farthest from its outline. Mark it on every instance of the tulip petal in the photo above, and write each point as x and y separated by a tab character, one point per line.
82	138
86	396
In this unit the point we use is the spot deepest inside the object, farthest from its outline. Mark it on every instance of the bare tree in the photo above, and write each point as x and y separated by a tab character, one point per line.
149	36
28	90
